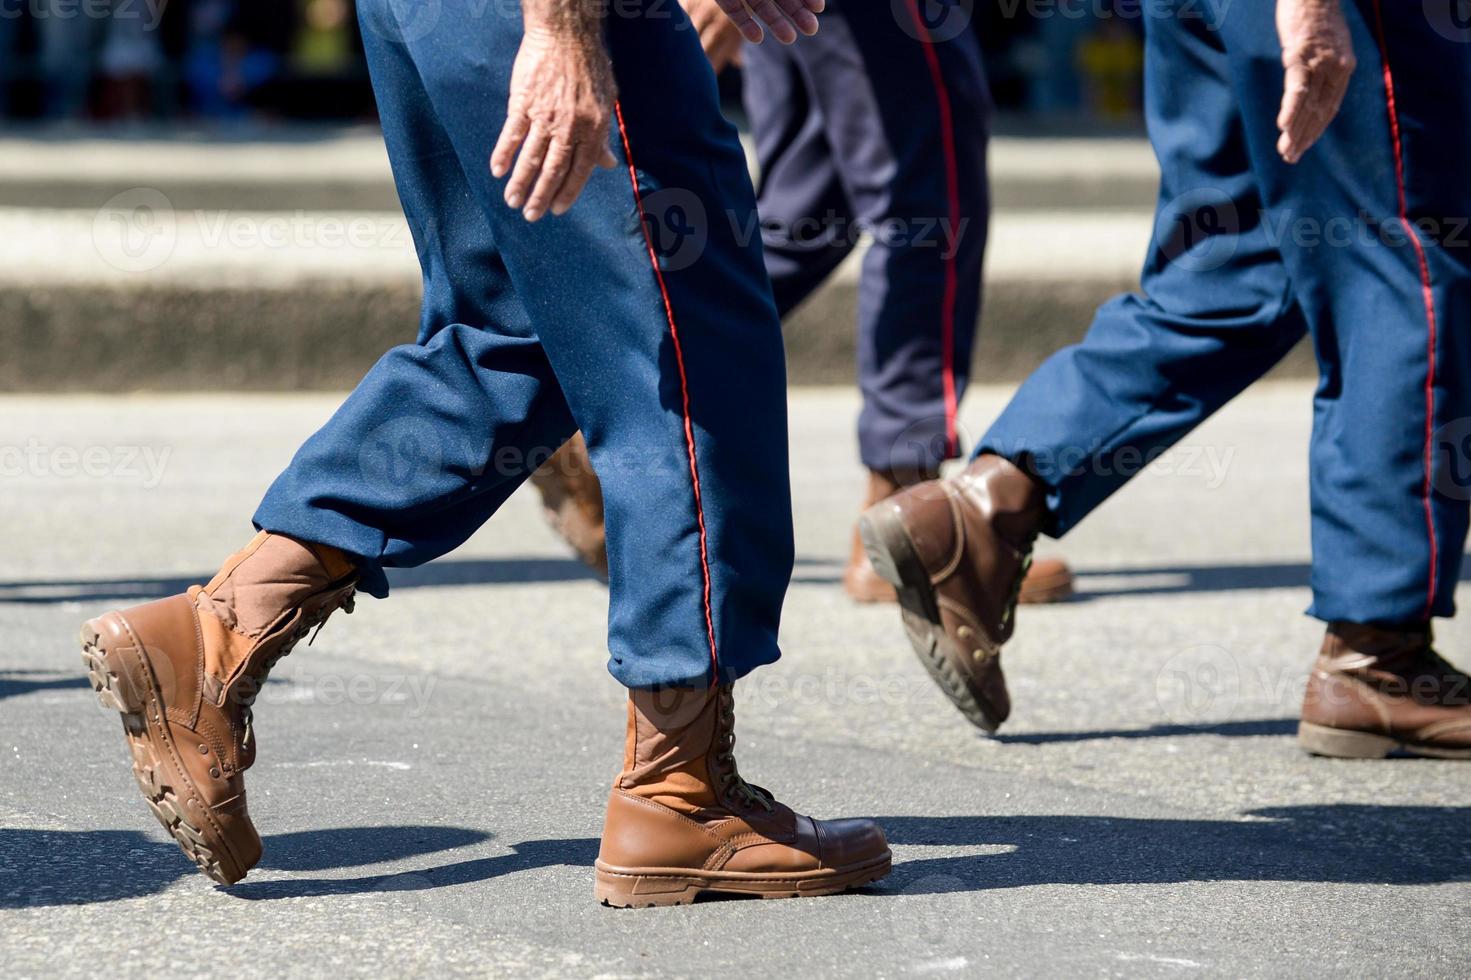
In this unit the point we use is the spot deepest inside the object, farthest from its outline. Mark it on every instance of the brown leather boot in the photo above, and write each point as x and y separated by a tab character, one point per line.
572	499
1374	690
682	821
183	671
1047	580
957	551
860	581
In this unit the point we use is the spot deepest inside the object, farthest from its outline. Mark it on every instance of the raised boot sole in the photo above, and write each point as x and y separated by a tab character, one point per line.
893	556
649	887
1342	743
124	683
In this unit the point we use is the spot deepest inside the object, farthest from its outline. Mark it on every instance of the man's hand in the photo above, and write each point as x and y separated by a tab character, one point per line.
1319	58
557	119
718	34
782	17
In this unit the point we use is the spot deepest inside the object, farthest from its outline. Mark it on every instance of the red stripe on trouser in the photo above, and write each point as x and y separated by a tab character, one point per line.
684	388
1427	293
952	192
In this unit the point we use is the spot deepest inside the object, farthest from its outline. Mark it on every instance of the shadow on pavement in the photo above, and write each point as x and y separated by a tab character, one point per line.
1337	843
1412	845
69	867
350	847
579	851
444	572
1164	580
14	683
1233	729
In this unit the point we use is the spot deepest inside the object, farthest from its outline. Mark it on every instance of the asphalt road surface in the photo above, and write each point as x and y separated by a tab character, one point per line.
433	770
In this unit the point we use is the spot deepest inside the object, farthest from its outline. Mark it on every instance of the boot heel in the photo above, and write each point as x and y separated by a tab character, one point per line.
109	680
626	891
1338	743
887	545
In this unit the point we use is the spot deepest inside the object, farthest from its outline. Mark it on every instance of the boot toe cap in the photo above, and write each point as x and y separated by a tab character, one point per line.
850	842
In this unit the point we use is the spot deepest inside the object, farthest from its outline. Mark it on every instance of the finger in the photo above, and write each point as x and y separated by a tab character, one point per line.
776	22
721	43
1313	119
513	134
742	19
553	174
1300	123
608	161
713	27
1338	88
528	166
706	16
583	164
724	50
1295	88
799	14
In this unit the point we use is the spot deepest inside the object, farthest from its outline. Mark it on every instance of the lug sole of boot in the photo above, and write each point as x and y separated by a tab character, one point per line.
625	888
124	683
894	559
1340	743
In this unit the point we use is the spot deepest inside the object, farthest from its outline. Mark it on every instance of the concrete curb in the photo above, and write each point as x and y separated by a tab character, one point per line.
325	335
307	293
347	170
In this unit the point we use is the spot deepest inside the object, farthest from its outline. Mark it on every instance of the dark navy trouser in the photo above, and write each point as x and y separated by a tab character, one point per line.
530	331
1364	243
879	124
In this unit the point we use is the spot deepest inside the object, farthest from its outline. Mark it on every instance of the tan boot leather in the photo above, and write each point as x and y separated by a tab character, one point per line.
183	671
1375	690
957	551
1047	580
682	821
572	499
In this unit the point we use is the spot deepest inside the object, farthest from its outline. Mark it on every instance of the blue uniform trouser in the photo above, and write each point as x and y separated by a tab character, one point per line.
674	371
878	124
1363	243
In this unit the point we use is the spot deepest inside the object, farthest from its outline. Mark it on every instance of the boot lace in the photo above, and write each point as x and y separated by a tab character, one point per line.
309	624
731	785
1014	595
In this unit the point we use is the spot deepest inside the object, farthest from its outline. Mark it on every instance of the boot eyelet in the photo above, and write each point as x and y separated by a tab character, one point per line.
214	772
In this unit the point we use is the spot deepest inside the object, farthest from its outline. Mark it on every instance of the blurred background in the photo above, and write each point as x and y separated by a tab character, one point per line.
213	170
122	62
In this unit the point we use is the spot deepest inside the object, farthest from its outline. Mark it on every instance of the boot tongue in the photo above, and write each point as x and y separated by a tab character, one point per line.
271	575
